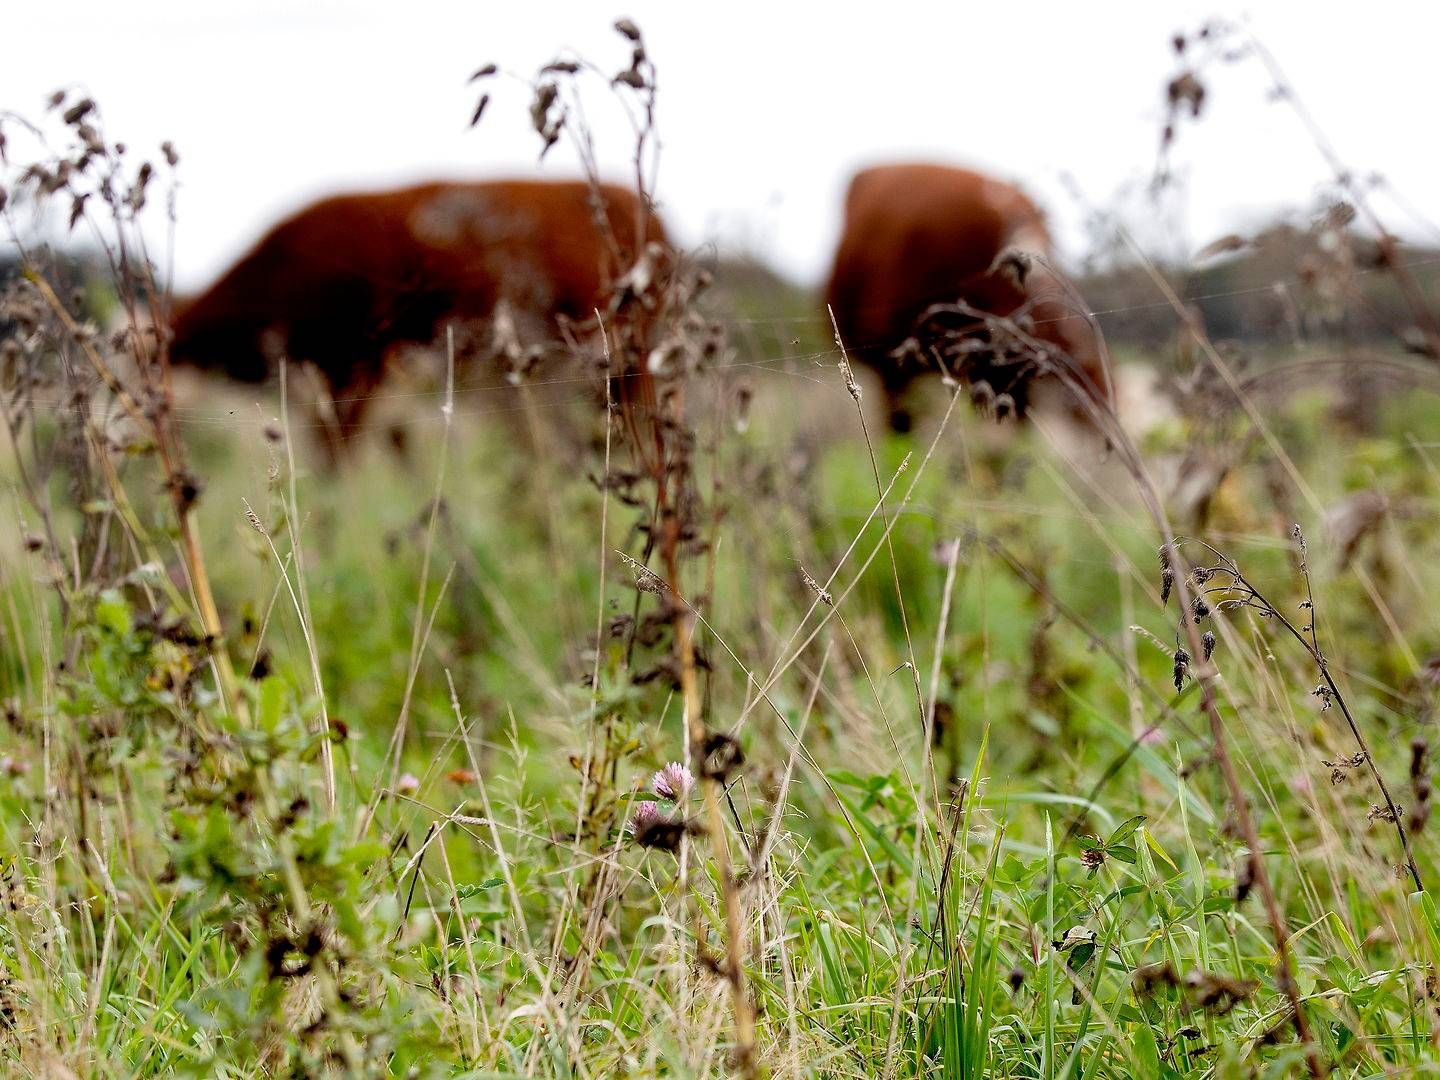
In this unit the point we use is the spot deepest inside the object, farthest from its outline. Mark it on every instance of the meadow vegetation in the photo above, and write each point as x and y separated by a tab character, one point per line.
678	722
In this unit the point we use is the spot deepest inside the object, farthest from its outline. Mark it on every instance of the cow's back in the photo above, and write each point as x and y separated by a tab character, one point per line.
917	235
347	277
546	247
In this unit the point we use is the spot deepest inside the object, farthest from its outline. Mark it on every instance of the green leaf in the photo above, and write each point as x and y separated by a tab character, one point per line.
898	855
271	705
1125	828
113	614
846	778
1081	955
465	891
1154	845
1146	1051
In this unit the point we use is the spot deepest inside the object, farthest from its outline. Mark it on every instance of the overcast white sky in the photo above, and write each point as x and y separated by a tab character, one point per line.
765	108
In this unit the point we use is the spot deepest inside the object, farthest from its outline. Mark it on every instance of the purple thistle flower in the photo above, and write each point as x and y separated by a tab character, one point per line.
673	782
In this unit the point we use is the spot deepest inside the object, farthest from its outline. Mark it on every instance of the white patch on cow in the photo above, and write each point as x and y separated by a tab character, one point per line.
1140	403
451	217
1027	230
1032	239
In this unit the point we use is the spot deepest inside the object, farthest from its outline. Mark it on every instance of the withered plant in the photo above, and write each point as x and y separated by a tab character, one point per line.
653	343
1217	585
150	734
1010	348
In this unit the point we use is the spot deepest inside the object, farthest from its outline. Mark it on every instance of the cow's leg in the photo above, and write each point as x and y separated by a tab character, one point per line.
351	408
339	416
397	437
896	384
899	416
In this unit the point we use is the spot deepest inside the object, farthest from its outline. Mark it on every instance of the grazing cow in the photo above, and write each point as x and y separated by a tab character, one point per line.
346	281
920	235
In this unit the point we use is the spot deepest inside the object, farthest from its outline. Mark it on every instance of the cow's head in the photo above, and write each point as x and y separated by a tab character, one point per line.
240	352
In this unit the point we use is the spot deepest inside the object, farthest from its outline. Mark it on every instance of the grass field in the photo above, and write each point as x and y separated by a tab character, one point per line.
182	897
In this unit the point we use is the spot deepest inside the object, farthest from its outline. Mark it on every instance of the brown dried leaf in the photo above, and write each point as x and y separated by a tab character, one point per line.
77	210
78	111
1229	242
545	95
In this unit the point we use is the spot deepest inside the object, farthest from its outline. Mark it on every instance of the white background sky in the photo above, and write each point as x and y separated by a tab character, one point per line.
765	108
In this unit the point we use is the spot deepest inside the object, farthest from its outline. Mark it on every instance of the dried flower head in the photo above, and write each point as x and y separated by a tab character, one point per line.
1339	769
254	519
187	488
1217	993
1167	572
1186	90
720	756
652	829
1182	668
79	111
545	95
1150	978
814	586
1245	878
646	580
1420	784
852	385
643	817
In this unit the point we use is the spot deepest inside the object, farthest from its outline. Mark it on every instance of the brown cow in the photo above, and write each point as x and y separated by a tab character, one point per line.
920	235
346	281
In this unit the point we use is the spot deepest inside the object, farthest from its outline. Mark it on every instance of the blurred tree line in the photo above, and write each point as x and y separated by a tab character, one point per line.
1283	286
